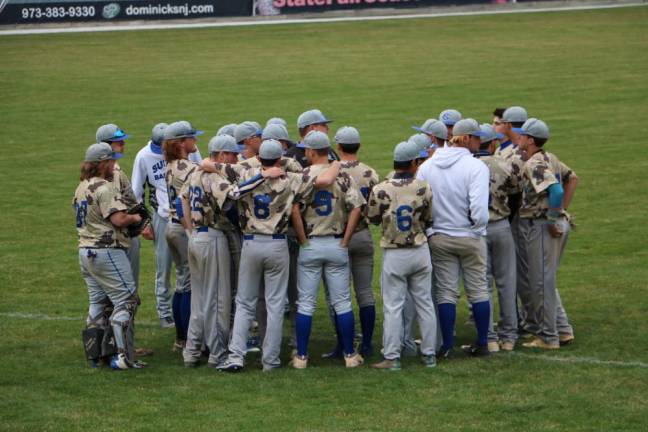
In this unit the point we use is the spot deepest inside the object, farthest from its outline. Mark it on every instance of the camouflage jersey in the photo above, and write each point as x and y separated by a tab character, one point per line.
403	206
326	211
287	164
207	194
267	209
515	158
95	200
501	186
541	171
366	178
176	174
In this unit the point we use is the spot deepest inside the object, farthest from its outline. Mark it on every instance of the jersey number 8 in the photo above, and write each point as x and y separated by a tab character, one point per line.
262	206
404	218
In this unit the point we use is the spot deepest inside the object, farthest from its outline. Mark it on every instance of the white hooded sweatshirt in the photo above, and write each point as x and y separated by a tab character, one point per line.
460	192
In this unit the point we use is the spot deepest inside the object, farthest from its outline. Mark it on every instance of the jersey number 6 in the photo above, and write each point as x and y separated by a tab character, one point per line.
404	218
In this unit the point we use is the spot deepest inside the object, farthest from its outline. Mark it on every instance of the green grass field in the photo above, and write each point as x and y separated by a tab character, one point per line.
582	72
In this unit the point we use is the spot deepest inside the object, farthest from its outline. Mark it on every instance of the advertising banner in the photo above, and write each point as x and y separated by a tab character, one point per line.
277	7
42	11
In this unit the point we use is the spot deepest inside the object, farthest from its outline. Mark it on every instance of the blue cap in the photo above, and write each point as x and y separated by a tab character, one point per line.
535	128
181	129
489	133
450	116
223	143
467	127
310	117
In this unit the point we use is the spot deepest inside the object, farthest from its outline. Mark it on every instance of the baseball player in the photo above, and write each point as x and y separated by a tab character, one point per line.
449	117
459	185
179	141
265	260
148	172
499	240
330	217
361	249
306	122
206	197
101	221
436	130
227	129
248	137
403	208
279	133
548	186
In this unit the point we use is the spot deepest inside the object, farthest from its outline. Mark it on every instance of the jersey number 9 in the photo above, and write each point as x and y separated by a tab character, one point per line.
323	203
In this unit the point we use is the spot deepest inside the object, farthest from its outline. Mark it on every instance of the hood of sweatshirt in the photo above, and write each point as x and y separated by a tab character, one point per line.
447	156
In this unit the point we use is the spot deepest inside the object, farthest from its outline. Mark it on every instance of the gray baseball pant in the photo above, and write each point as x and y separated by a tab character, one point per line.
323	256
409	317
106	272
263	260
178	246
451	256
543	253
407	270
526	320
361	262
133	253
209	264
162	267
501	270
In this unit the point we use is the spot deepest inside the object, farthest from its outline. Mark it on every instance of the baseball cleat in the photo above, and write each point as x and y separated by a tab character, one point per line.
253	343
119	362
143	352
445	354
429	360
138	364
493	347
539	343
167	322
566	338
392	365
299	362
526	335
178	345
507	346
335	353
353	360
476	350
230	366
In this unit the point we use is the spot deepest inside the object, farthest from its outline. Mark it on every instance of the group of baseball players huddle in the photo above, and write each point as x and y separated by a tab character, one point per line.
253	229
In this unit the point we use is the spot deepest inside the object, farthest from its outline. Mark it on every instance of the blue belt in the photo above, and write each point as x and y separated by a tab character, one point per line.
274	236
337	236
202	229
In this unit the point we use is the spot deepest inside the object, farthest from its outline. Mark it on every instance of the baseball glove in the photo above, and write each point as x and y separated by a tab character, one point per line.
136	229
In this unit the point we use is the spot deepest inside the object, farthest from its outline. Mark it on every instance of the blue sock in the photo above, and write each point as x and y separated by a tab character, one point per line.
338	347
367	323
175	308
481	312
185	312
447	317
346	325
303	324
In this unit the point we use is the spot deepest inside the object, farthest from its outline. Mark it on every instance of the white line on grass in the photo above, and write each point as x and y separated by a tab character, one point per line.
571	359
157	26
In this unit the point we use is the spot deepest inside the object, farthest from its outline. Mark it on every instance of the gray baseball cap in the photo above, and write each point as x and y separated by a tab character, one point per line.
245	130
310	117
222	143
157	134
535	128
450	116
489	133
181	129
277	120
515	114
467	127
228	129
316	140
406	151
275	131
347	135
421	140
101	151
110	132
270	149
433	127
